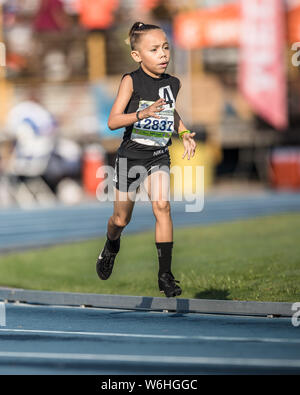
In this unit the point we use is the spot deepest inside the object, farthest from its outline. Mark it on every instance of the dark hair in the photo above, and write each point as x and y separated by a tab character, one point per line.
136	30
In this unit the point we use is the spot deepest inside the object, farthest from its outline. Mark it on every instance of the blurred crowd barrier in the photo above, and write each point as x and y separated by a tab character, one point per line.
63	64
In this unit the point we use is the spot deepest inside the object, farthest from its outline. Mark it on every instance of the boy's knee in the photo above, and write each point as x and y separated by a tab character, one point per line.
121	222
161	207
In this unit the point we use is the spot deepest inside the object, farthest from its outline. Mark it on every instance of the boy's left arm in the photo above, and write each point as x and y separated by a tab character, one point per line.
186	136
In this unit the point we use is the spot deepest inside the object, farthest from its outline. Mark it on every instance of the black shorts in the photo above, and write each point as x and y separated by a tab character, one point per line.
130	173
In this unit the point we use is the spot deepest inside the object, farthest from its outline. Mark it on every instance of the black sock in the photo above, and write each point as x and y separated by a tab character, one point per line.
164	251
113	245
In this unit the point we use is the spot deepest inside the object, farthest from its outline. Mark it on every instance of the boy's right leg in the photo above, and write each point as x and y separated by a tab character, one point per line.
123	206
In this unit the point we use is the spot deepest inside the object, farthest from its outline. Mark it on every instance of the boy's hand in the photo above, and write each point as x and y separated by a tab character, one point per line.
189	145
153	109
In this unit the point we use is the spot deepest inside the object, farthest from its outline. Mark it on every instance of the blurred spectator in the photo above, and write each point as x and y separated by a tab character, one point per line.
32	128
39	152
17	33
52	47
51	16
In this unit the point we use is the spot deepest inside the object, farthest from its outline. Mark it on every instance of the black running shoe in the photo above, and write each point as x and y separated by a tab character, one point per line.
105	263
167	284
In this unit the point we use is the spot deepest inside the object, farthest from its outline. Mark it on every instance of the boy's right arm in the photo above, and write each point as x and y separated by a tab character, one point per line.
117	119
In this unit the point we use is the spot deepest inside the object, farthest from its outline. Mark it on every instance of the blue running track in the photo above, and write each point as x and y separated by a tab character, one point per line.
45	226
65	340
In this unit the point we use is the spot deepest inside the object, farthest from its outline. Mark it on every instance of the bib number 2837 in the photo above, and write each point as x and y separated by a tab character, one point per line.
155	124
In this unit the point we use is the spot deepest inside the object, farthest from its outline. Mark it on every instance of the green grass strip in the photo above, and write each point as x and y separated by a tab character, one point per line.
256	259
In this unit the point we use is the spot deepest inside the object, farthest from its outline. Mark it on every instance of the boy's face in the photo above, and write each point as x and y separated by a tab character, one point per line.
152	52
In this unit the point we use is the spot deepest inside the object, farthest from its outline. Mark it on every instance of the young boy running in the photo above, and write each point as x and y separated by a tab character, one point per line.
145	106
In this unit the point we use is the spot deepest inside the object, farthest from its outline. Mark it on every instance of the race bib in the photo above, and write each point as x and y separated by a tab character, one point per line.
153	131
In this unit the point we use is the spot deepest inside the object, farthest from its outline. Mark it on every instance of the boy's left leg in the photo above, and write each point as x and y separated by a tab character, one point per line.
157	187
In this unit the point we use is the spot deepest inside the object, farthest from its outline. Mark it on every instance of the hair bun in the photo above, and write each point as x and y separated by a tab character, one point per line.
135	27
135	31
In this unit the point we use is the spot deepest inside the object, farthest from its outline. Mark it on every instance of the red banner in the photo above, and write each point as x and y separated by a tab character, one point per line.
97	14
208	27
294	25
262	75
220	26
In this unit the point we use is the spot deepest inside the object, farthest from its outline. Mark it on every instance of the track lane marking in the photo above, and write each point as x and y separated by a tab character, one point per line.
151	336
159	359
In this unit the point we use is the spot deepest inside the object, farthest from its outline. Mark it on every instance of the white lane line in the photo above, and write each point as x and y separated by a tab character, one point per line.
152	336
157	359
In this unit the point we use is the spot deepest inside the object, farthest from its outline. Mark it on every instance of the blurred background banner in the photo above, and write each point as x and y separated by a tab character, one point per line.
211	27
294	23
257	27
95	14
262	67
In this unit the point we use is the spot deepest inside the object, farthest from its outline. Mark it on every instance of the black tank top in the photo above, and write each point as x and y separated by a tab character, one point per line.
151	136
